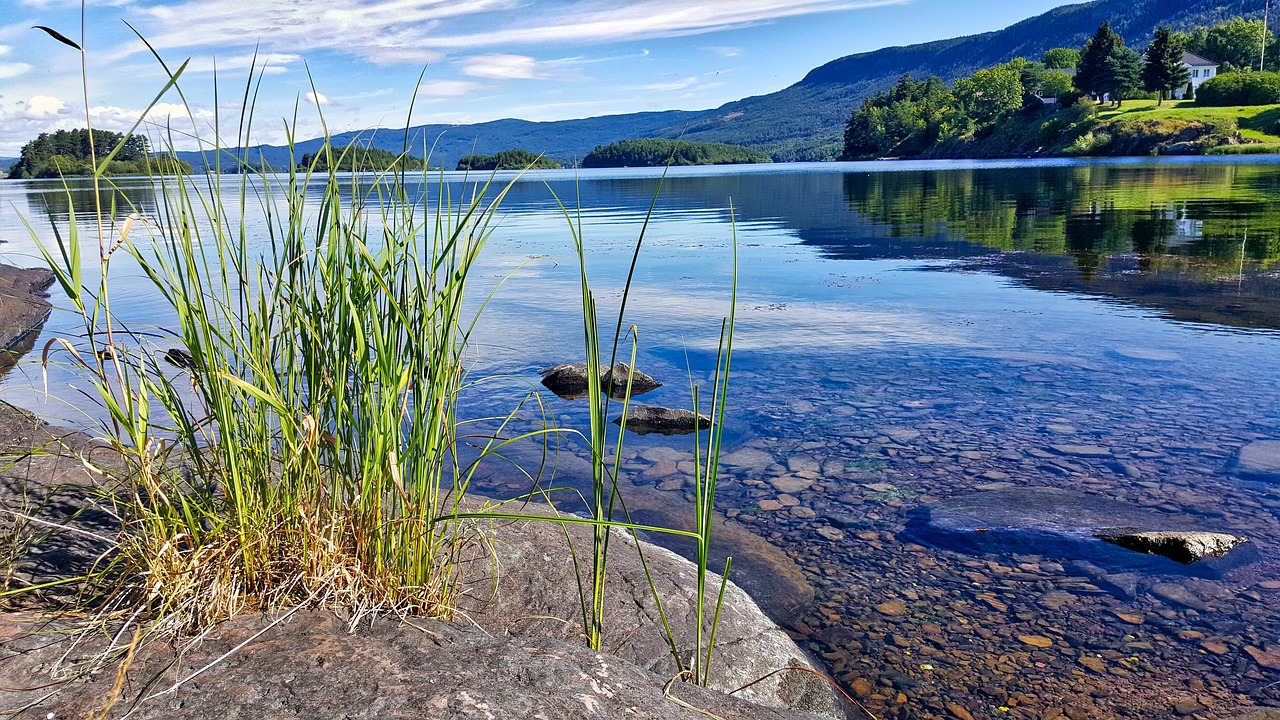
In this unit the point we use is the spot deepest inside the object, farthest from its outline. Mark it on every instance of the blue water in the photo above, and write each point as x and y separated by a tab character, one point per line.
908	332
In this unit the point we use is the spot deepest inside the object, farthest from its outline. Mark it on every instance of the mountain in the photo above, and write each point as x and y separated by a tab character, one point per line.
7	162
806	120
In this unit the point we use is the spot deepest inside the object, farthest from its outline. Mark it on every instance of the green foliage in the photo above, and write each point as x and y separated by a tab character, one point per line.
1258	88
1122	74
514	159
1164	71
903	121
1056	84
67	153
1091	73
1061	59
1237	44
990	93
655	152
357	158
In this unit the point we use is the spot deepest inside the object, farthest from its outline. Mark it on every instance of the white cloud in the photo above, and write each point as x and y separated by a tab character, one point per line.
316	98
502	67
672	86
724	52
269	63
418	31
9	70
449	88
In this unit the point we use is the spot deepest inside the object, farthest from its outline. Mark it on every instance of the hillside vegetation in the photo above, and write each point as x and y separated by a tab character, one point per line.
654	152
358	158
805	121
69	153
514	159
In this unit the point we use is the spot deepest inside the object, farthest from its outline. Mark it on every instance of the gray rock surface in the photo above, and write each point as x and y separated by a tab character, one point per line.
1185	547
310	666
647	419
23	309
570	381
1260	460
537	596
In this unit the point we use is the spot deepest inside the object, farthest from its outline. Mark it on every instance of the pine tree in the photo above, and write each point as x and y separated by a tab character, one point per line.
1164	71
1091	74
1122	75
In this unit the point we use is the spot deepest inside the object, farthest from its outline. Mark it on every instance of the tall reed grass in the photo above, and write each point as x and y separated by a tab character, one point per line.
307	452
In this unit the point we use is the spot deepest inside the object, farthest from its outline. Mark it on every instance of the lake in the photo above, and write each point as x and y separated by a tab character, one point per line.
917	341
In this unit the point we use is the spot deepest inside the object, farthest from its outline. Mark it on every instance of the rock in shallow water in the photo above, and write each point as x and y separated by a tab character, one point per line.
646	419
1260	460
571	380
1184	547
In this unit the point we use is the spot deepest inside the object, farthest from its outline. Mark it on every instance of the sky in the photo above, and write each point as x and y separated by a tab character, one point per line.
359	64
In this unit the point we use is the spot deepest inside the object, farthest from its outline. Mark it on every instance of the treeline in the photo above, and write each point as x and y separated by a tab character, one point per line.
654	152
917	117
358	158
514	159
67	153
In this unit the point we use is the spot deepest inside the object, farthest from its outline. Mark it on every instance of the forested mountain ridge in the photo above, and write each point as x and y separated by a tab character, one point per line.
806	120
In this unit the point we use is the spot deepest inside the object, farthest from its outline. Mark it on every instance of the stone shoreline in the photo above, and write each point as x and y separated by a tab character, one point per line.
514	654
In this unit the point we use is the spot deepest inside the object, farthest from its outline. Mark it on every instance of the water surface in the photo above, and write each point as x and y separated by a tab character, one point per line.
909	333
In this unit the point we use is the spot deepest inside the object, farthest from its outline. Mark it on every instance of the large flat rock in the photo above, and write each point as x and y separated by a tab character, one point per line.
1259	460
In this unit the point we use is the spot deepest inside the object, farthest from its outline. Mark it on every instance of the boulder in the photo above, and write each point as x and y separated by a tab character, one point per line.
532	592
646	419
1259	460
1185	547
23	310
311	666
570	381
1073	526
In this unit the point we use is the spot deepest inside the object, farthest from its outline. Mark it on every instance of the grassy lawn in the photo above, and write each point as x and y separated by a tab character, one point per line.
1256	122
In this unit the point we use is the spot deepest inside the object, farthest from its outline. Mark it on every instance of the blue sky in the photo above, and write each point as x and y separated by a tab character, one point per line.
484	59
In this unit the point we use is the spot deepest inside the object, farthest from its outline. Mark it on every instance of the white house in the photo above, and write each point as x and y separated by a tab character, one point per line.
1200	69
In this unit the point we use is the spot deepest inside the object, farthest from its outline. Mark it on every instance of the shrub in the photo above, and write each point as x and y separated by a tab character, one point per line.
1259	88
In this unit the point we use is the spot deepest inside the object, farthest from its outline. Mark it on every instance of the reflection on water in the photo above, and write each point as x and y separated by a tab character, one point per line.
909	334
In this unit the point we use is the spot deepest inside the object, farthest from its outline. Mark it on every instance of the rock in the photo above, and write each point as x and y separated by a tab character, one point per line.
646	419
892	608
1259	460
861	687
1065	524
23	311
790	484
1269	659
1131	618
747	458
311	666
1039	641
1186	706
1088	451
1147	354
1179	595
1094	663
958	712
570	381
771	505
1185	547
830	533
1259	714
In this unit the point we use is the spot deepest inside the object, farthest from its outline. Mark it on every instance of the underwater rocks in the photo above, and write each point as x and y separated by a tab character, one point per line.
1069	525
571	381
646	419
1259	460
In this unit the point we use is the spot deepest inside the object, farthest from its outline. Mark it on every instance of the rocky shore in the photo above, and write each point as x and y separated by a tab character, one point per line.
514	649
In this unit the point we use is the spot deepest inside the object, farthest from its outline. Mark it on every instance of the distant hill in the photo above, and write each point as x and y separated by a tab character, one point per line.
806	120
7	162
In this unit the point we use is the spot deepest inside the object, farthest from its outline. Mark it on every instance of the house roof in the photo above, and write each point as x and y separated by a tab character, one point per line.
1193	60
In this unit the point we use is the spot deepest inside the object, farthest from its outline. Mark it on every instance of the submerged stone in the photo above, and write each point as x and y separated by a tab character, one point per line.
1069	525
1184	547
179	357
1260	460
646	419
571	381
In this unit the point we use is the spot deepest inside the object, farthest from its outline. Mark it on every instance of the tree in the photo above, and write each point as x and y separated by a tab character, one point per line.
990	93
69	153
1056	84
903	121
1164	71
1091	73
513	159
1061	59
1235	44
1122	74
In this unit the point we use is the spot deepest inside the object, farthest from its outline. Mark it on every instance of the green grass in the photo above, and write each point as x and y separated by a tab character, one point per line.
1256	122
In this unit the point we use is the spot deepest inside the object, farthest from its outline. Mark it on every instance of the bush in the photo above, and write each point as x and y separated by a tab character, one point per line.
1259	88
